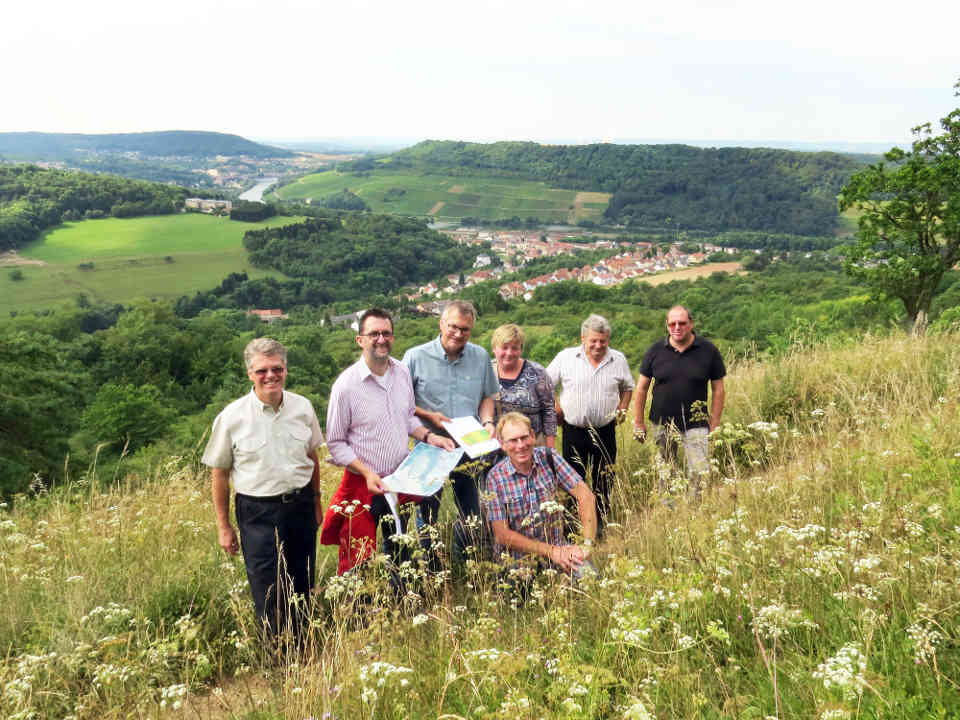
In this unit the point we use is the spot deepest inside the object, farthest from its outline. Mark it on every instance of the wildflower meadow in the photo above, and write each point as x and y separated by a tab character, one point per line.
817	577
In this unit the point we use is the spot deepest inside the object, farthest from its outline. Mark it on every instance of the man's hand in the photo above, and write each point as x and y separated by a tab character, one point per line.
436	418
621	415
227	537
441	442
568	557
559	411
318	508
639	431
375	484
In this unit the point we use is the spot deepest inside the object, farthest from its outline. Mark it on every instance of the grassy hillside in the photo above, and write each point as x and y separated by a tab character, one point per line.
446	196
129	259
817	579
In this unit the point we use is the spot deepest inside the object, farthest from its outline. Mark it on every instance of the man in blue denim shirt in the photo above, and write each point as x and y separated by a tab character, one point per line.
453	378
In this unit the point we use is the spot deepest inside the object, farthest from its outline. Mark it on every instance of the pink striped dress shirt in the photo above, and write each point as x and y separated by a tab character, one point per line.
371	418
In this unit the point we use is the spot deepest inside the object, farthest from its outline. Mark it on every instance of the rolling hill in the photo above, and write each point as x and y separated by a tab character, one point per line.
642	185
65	146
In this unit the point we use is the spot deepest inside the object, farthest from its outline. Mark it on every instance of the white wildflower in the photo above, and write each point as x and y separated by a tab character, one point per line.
844	671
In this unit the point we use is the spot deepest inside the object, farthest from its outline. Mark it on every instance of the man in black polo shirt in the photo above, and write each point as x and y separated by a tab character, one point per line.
681	367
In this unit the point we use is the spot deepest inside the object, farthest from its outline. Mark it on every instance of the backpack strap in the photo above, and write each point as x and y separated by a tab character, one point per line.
550	462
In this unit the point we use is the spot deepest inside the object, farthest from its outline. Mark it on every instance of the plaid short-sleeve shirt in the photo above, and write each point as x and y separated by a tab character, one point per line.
518	499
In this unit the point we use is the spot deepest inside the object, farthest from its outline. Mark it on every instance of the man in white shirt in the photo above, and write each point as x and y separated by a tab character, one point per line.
595	387
265	443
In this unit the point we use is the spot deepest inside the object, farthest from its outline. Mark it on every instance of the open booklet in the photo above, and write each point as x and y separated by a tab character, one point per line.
422	472
471	436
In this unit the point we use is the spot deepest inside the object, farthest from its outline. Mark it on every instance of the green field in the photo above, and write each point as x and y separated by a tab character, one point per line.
130	260
448	197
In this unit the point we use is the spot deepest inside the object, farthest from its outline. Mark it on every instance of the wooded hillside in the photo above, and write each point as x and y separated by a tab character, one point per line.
707	188
358	255
35	145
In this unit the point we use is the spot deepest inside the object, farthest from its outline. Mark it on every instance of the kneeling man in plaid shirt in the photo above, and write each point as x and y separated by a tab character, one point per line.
521	502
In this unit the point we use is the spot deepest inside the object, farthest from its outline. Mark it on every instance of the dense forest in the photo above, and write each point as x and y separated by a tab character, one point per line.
66	146
357	255
33	199
141	383
706	188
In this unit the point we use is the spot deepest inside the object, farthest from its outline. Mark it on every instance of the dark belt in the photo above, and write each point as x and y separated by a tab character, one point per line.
587	427
288	497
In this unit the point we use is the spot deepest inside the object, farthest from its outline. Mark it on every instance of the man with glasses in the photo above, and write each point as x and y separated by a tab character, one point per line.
370	417
454	378
265	443
522	503
681	367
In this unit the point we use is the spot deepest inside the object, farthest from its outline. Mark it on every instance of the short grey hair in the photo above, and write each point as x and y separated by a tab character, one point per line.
595	323
263	346
460	307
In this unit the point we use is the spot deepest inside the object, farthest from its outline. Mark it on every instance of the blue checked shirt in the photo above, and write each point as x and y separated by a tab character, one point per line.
516	498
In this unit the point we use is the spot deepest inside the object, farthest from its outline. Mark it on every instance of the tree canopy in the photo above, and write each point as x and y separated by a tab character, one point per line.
909	229
357	255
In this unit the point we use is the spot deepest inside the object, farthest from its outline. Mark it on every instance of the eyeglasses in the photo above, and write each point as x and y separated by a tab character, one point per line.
678	323
276	370
459	329
385	334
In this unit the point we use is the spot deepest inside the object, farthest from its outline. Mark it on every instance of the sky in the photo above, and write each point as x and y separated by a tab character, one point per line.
570	71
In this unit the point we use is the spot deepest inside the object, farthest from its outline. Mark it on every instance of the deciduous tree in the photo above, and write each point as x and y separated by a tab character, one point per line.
909	229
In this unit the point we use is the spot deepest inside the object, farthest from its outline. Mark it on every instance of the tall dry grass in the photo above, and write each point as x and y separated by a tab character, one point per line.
817	578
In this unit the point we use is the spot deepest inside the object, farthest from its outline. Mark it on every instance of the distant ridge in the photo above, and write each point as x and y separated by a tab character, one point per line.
190	143
658	185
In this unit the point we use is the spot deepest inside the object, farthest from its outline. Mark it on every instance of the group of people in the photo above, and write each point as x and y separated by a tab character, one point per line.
266	444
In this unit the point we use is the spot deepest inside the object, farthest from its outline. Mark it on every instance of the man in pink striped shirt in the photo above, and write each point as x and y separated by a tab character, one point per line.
370	417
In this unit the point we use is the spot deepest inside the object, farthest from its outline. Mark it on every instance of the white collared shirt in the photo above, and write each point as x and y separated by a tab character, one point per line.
268	452
589	395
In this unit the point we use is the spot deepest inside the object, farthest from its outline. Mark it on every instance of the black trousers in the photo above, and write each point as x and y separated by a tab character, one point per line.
465	479
279	541
470	531
383	517
593	450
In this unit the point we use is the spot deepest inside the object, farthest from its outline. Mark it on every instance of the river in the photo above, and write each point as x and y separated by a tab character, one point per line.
255	194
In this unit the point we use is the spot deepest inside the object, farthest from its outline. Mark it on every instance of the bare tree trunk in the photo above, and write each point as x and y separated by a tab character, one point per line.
920	324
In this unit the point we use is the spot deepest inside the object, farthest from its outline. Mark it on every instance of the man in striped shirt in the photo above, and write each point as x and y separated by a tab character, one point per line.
595	389
370	417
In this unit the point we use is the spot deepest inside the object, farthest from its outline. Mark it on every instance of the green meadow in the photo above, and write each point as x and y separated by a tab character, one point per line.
117	260
451	197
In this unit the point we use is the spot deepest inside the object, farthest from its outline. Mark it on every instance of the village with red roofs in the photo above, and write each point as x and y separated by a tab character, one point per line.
517	247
